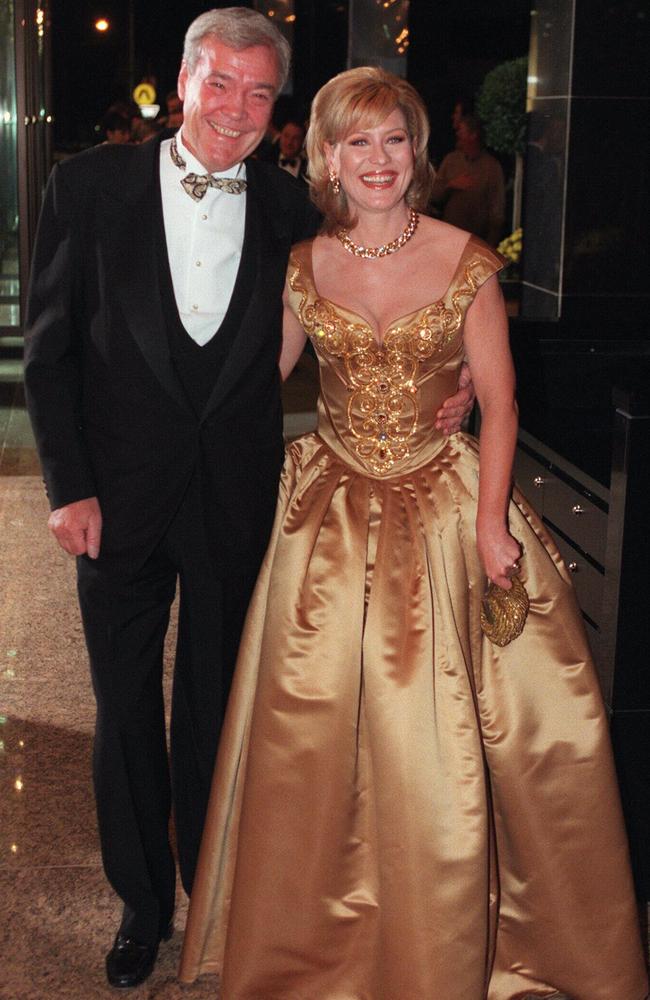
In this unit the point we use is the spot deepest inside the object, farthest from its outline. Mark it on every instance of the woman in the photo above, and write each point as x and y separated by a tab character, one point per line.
403	810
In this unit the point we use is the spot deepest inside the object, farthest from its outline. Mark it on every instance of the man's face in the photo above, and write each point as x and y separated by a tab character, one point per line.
118	136
227	102
466	138
291	139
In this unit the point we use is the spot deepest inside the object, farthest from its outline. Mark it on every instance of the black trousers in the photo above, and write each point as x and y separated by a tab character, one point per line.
125	618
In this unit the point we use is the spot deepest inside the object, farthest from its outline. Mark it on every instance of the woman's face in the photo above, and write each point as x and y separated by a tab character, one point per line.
374	165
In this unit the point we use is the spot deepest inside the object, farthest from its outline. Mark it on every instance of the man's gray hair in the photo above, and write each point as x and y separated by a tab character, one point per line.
238	28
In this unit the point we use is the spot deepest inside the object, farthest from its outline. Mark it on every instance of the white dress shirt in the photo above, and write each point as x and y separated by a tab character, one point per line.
204	242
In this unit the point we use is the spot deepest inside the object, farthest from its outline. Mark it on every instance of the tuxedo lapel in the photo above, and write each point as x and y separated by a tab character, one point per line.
263	252
133	200
131	251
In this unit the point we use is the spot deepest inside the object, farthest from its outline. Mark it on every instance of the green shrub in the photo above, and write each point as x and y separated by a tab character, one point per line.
501	106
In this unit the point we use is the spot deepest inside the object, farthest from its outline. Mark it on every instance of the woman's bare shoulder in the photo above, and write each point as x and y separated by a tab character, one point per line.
441	243
445	236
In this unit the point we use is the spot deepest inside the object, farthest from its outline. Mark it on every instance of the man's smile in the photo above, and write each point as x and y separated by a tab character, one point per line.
222	130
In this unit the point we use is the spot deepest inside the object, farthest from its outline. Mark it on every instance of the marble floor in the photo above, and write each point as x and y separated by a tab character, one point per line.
59	912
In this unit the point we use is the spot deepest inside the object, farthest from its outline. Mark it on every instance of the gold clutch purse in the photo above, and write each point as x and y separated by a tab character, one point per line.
503	612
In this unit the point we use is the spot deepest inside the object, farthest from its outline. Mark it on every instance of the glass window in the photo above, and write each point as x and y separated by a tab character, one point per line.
282	13
9	272
379	34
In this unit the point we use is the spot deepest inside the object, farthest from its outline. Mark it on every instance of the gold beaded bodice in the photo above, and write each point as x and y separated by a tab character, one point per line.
378	400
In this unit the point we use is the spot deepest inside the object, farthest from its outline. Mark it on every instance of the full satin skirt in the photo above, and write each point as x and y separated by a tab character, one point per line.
402	810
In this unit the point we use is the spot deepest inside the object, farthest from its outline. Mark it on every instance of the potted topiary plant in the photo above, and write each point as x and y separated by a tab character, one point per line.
501	106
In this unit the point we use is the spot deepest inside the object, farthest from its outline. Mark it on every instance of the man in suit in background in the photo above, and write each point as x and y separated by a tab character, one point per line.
286	150
153	335
289	151
152	342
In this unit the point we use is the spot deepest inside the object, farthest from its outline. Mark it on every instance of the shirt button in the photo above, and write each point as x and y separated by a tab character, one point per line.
198	263
204	217
195	308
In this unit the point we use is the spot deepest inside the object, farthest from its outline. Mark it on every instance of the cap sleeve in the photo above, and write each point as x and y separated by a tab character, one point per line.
481	262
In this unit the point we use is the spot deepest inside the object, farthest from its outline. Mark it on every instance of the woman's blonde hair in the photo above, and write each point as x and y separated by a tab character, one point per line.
363	98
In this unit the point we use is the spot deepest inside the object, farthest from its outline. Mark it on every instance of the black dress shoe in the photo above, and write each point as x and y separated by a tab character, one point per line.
130	962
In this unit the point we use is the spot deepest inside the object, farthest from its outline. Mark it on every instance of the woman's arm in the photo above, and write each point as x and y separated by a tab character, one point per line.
488	353
293	338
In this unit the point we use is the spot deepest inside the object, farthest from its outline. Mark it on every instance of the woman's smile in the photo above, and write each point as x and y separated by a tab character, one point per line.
383	179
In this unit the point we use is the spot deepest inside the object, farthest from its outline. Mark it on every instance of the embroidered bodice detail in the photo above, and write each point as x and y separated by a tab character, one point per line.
382	380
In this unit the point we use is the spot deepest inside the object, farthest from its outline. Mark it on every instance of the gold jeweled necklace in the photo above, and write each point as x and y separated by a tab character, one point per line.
371	252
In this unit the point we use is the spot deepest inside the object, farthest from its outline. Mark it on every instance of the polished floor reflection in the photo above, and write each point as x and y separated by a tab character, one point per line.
59	913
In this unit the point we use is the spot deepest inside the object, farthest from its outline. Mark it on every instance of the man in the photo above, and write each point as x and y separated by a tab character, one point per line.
469	185
288	150
174	106
116	128
144	129
153	336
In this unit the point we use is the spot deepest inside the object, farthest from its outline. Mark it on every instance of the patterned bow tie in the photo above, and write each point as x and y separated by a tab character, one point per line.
197	184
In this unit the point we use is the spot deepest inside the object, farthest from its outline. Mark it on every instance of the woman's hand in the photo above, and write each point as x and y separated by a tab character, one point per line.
499	553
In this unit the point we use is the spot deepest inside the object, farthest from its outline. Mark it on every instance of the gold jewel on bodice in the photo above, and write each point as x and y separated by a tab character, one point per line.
383	405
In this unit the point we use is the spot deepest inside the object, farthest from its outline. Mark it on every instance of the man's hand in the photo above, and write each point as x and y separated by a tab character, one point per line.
454	410
462	182
77	527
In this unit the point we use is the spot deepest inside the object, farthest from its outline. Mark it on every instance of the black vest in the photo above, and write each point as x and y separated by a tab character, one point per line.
198	367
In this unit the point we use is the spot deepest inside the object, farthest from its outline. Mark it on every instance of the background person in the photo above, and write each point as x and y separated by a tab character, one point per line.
116	128
145	128
287	152
290	153
469	186
174	106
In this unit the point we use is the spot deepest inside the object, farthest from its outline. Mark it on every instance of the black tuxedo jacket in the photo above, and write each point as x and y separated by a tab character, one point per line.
110	416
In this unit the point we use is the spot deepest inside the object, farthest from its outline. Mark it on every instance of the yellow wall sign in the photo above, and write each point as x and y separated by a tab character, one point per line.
144	93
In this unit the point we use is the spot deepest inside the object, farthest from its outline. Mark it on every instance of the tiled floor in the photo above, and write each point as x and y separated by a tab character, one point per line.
59	914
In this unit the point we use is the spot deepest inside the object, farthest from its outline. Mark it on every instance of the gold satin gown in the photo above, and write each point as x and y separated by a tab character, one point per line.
402	810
